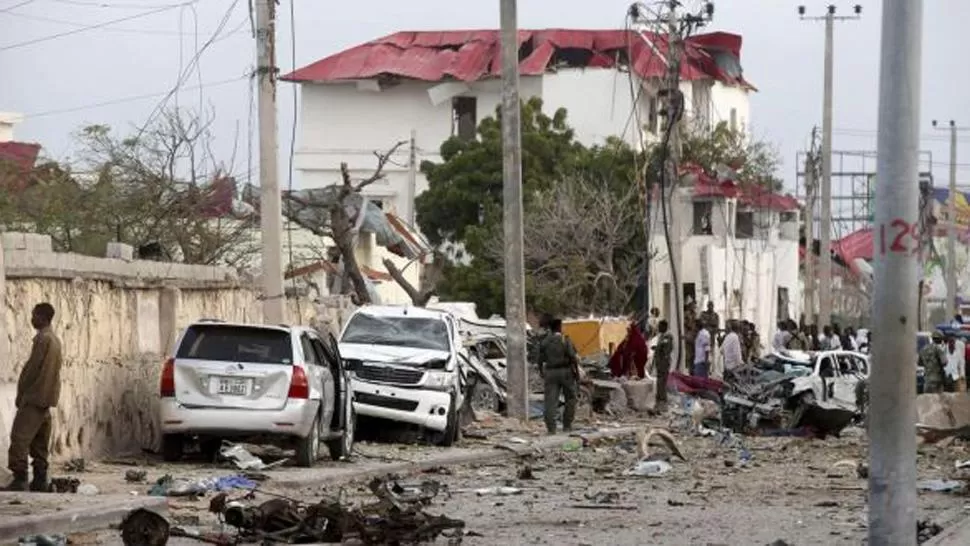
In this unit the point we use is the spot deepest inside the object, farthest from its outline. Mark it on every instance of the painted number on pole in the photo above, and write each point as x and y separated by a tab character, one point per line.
899	237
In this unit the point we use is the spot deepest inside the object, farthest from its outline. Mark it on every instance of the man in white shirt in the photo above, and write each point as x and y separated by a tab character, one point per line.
956	362
731	348
782	335
702	351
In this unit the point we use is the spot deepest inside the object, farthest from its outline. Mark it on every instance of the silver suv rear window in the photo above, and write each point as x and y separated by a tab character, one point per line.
236	344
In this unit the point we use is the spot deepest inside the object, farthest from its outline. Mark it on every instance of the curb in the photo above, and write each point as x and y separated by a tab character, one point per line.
957	534
500	452
98	516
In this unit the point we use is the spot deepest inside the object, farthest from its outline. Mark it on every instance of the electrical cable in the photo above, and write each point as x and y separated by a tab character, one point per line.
48	38
15	6
141	31
292	152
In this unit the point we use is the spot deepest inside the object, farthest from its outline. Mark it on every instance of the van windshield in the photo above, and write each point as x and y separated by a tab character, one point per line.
249	344
414	332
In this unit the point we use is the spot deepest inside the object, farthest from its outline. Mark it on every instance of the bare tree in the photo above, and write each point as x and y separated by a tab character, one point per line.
580	247
334	212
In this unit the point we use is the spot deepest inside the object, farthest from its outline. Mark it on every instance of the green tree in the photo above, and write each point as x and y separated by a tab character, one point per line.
754	161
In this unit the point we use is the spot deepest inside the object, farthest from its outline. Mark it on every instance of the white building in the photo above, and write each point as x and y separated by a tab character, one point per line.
435	85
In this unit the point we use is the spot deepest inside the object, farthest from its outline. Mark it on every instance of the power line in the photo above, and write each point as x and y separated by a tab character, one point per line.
117	5
15	6
92	27
123	100
107	29
289	201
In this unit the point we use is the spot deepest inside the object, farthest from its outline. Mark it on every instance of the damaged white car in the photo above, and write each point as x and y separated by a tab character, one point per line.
405	367
835	379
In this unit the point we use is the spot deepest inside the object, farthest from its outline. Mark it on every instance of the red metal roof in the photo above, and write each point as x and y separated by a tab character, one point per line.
17	159
857	244
471	55
749	194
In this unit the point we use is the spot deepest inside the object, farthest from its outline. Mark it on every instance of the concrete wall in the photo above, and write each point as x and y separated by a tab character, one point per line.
117	321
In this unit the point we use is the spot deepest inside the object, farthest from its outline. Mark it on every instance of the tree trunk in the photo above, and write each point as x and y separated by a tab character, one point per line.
343	236
418	298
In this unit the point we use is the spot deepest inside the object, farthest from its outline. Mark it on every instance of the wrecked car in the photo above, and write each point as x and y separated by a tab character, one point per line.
485	355
286	385
834	380
405	366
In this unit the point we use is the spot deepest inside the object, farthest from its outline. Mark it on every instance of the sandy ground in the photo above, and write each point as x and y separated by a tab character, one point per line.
790	489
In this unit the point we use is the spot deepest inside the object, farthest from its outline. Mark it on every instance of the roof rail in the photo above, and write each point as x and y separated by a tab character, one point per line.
210	320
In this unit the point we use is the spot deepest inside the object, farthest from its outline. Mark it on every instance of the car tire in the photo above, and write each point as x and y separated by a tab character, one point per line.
308	448
172	447
804	401
343	447
452	432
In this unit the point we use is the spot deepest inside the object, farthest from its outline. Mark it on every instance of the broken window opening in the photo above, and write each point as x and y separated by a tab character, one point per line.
571	57
465	117
702	218
744	224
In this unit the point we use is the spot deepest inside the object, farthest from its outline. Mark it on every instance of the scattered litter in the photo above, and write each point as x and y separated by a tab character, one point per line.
926	530
75	465
603	497
650	469
862	470
941	486
135	476
525	473
43	540
243	459
573	444
516	440
87	489
962	464
643	442
144	528
443	470
827	504
64	485
500	491
605	506
167	486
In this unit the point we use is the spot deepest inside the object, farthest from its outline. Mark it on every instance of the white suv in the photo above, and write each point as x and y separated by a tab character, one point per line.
283	384
405	366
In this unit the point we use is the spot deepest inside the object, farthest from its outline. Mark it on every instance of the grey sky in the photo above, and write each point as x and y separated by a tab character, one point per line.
781	55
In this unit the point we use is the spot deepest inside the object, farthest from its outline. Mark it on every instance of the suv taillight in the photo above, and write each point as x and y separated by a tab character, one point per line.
299	384
166	387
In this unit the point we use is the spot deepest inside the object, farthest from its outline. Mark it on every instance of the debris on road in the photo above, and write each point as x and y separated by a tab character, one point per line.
167	486
650	469
64	485
88	489
643	443
143	527
244	460
942	486
75	465
43	540
925	530
135	476
500	491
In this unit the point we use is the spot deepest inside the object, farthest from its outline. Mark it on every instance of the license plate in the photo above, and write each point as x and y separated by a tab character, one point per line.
231	386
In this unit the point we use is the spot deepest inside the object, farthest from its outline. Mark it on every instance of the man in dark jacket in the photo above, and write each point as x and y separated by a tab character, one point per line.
38	390
557	360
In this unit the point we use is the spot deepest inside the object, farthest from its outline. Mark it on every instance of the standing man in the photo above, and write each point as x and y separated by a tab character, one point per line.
653	322
710	318
731	348
557	358
38	390
661	362
956	361
702	351
933	360
782	336
690	333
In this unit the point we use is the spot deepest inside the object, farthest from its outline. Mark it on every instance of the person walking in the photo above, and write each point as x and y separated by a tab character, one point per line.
661	362
38	390
731	349
956	362
933	360
557	362
702	351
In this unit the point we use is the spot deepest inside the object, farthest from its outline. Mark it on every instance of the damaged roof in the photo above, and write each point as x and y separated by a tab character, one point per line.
19	158
472	55
749	194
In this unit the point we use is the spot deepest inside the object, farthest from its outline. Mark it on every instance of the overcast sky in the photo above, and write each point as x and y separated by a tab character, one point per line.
64	80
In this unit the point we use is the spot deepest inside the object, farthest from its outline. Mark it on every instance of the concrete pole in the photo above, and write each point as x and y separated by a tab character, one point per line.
810	185
892	415
951	229
270	202
518	373
412	176
674	200
825	238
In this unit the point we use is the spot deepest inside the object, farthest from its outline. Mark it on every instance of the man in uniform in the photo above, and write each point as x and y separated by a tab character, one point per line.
661	362
710	318
933	360
38	390
557	361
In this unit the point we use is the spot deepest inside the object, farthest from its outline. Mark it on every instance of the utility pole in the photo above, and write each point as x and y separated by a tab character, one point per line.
892	415
270	202
825	252
412	176
951	226
811	182
518	391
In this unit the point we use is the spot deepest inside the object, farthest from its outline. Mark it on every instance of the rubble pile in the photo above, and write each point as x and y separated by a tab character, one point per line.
397	516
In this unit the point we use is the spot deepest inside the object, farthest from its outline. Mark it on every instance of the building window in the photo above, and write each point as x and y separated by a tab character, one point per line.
734	119
744	224
465	113
702	218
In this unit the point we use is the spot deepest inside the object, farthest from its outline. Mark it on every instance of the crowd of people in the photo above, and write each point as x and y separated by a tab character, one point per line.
807	338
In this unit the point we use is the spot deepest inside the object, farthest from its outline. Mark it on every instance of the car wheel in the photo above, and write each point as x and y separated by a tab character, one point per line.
343	447
308	448
172	445
452	432
804	401
483	397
